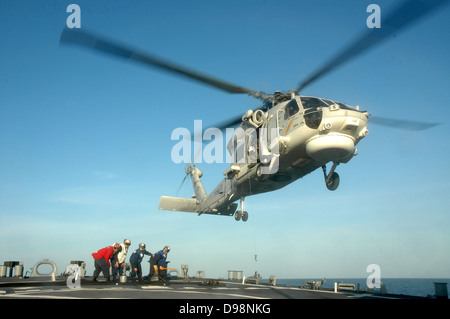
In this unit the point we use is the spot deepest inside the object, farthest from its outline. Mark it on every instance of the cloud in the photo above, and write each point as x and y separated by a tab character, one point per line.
83	196
104	175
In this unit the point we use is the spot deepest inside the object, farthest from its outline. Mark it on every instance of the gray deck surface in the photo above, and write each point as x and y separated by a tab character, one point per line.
175	289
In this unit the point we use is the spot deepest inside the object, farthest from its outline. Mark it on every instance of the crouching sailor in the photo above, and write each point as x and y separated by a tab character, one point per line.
135	261
102	260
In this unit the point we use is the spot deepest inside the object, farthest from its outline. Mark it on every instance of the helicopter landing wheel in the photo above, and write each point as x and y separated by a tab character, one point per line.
332	178
241	215
333	182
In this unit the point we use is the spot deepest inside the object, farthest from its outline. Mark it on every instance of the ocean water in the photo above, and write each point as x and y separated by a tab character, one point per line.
421	287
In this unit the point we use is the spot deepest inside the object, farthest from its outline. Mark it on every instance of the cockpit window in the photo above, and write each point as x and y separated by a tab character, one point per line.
313	117
329	102
312	102
341	105
313	111
344	106
291	108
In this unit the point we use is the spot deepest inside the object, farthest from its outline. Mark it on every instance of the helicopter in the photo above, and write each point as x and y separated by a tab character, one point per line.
289	136
274	148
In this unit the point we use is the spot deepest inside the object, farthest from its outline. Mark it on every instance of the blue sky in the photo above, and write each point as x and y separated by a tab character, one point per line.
85	138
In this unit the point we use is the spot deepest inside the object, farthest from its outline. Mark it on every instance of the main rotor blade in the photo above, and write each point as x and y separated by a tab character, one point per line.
407	13
401	124
92	41
230	123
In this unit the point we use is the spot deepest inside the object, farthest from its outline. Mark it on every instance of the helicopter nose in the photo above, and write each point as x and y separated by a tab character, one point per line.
333	147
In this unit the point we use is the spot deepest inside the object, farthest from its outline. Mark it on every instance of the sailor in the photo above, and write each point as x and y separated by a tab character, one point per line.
118	264
102	260
158	264
136	259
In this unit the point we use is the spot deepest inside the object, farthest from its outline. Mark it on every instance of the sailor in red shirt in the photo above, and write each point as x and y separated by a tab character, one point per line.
102	258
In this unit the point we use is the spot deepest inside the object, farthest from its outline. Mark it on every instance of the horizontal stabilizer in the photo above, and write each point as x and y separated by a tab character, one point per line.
178	204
